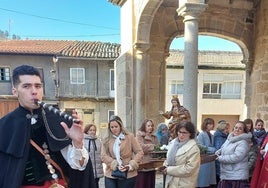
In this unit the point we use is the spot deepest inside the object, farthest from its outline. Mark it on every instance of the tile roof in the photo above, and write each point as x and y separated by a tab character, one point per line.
93	50
33	46
82	49
209	58
106	50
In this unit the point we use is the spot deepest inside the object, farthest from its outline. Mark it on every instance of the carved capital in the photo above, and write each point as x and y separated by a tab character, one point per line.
191	11
141	48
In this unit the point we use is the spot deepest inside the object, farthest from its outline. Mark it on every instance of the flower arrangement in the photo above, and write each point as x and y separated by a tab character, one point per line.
161	148
159	152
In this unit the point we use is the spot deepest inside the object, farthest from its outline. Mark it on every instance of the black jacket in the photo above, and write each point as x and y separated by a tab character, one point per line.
15	133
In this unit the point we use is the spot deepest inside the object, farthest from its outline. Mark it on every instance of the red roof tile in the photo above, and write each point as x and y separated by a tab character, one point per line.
84	49
93	50
33	46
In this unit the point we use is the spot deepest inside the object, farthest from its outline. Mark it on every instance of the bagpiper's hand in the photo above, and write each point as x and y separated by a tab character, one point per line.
75	132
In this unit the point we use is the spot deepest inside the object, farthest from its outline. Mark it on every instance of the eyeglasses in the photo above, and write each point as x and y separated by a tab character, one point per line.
183	133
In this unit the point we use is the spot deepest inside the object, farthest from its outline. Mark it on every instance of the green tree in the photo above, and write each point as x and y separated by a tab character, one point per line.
4	35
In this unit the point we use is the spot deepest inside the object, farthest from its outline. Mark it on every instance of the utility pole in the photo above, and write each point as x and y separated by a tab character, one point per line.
10	22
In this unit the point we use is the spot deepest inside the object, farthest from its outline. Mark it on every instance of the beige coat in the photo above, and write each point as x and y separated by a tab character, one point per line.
185	173
130	150
148	143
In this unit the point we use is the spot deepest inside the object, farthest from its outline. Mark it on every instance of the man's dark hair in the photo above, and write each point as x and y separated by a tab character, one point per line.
23	70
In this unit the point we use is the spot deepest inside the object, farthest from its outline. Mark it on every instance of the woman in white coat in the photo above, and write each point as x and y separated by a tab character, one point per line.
233	158
183	158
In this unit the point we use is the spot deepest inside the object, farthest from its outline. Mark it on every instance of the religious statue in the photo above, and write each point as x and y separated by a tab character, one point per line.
178	114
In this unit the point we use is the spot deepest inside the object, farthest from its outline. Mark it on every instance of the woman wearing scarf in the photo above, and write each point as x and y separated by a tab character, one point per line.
220	137
233	158
183	158
93	145
120	150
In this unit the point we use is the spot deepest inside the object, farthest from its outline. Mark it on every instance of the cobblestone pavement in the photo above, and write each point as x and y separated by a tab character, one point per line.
158	181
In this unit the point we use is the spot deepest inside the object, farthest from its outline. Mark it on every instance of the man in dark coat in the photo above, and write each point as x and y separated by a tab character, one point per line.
61	140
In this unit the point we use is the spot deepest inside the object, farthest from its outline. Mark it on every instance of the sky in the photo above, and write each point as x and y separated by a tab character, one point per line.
84	20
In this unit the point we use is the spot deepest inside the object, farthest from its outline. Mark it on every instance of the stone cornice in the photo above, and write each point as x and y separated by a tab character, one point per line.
117	2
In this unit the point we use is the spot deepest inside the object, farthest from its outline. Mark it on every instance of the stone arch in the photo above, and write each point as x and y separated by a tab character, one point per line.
240	43
146	17
156	23
165	26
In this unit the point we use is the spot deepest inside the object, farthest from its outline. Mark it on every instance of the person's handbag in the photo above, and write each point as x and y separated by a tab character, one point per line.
119	174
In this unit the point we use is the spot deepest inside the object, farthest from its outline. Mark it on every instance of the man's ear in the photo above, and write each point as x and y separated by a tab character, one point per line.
14	91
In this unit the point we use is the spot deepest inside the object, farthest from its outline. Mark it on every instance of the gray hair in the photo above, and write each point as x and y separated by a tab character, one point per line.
161	126
222	124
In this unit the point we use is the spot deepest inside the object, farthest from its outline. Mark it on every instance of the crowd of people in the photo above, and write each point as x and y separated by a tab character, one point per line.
36	152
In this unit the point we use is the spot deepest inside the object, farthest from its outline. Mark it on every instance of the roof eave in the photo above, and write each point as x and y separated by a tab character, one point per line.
118	2
30	54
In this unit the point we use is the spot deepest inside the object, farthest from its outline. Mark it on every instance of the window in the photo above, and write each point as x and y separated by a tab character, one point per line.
110	114
77	75
112	85
4	74
212	90
231	90
175	87
222	86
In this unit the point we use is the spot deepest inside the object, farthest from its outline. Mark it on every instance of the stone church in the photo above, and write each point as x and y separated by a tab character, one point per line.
149	26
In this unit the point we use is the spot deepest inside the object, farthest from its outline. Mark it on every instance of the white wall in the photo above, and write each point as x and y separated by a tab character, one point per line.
214	107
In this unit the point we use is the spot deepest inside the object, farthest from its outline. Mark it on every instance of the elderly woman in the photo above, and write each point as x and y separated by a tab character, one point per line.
183	158
162	134
120	151
233	158
148	141
220	137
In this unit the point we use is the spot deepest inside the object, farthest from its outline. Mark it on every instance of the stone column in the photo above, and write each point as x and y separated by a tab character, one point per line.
139	90
248	88
191	12
123	93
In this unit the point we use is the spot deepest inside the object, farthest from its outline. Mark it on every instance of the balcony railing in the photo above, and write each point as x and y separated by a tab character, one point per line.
89	89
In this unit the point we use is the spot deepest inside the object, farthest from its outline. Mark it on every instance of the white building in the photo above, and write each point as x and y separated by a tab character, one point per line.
221	84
